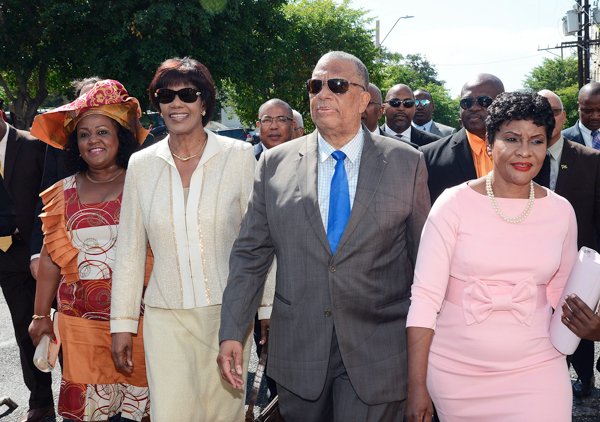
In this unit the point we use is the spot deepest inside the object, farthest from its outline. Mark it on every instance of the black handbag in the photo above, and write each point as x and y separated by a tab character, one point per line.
271	412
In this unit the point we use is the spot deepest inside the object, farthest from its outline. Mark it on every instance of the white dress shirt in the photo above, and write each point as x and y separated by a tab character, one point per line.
555	153
425	128
586	134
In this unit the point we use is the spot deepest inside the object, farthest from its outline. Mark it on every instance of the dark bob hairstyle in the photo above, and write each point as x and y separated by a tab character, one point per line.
519	105
127	146
183	71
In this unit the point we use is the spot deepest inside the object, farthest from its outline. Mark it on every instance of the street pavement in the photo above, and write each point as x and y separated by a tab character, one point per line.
11	379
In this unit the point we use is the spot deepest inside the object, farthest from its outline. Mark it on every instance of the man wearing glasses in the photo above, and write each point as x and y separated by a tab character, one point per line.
399	109
275	123
342	210
423	119
463	155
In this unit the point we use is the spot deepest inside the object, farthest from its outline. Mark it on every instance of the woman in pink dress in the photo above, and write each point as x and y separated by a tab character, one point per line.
494	256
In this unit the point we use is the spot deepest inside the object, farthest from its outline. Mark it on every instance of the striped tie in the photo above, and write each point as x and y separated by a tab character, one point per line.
596	139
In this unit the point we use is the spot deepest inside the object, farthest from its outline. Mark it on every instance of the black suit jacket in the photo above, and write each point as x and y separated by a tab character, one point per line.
449	163
8	223
23	167
579	181
573	134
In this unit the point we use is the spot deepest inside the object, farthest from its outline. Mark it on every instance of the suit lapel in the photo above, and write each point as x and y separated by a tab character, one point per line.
463	155
306	173
566	160
12	149
369	176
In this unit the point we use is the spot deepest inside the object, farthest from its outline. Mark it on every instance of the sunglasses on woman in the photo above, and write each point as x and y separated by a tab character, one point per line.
468	102
335	85
395	102
187	95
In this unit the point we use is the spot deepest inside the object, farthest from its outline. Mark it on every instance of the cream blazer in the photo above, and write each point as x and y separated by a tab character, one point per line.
191	243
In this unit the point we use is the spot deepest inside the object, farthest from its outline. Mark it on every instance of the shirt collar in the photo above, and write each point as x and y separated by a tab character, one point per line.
426	127
351	149
3	143
556	149
476	143
584	130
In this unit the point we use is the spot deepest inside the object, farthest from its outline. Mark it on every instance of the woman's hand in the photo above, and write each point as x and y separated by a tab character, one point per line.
418	405
122	345
39	327
580	319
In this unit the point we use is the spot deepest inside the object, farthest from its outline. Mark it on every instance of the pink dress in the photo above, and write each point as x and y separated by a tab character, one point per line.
487	288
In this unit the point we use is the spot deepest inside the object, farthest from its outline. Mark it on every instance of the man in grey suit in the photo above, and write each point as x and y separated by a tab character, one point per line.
342	210
423	119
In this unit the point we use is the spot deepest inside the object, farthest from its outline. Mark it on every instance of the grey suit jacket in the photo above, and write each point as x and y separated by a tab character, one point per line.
573	134
363	290
441	130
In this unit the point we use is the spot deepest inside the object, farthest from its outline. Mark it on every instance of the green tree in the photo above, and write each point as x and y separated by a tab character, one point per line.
558	75
291	42
417	72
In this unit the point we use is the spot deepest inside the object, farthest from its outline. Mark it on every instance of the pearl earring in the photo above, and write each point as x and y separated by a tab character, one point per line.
203	113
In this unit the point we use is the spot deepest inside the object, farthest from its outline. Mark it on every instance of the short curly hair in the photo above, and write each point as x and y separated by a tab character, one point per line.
127	146
519	105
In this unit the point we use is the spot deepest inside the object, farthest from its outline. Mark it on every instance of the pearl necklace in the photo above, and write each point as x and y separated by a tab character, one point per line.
513	220
189	157
112	179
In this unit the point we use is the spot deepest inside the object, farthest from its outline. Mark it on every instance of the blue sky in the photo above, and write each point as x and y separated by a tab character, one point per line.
464	37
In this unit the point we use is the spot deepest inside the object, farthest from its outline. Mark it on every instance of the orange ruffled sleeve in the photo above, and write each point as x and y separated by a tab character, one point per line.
56	237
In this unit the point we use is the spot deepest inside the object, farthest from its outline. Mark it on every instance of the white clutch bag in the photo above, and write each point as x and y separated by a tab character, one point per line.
584	281
46	351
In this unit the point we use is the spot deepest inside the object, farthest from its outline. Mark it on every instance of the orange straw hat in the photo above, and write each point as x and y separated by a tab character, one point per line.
107	97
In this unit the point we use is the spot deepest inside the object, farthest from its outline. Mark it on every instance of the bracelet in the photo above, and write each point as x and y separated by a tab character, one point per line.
34	317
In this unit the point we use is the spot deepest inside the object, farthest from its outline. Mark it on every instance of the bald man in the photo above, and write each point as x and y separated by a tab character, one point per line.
587	129
575	175
463	156
399	110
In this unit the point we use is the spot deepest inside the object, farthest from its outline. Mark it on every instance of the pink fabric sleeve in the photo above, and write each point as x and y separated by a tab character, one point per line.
556	285
434	258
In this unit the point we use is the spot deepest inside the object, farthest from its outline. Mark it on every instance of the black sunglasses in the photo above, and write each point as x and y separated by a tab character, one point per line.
187	95
335	85
395	102
468	102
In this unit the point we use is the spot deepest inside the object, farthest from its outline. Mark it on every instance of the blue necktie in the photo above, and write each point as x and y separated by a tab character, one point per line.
596	139
339	202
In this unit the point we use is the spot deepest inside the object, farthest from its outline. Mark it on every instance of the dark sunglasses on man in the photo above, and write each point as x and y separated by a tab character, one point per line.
468	102
395	102
166	95
423	103
335	85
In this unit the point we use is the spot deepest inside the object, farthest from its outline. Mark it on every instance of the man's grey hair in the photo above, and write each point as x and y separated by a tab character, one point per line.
275	102
361	69
298	119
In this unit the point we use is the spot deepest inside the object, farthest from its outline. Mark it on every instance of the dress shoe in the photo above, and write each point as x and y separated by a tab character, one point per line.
42	414
581	389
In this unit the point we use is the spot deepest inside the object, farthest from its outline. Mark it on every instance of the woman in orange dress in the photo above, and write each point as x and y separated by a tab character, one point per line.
99	131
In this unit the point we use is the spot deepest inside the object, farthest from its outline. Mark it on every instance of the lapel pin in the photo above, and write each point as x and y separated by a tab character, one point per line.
563	167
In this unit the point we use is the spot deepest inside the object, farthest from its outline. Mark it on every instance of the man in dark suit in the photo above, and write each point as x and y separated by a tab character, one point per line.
423	119
451	160
399	109
587	129
22	165
575	174
342	210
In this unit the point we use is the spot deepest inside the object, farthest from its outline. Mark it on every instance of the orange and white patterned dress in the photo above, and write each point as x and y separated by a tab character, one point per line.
80	239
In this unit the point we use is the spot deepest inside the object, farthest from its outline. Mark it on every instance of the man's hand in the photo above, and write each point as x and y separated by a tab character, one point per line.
264	331
580	319
121	352
230	363
34	265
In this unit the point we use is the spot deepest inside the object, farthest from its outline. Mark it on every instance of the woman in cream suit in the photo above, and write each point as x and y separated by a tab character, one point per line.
185	196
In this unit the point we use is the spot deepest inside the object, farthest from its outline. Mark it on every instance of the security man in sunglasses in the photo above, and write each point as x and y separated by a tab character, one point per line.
399	109
463	155
423	119
342	210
